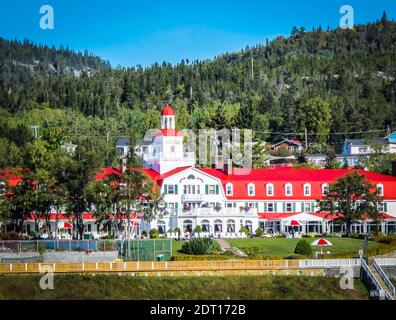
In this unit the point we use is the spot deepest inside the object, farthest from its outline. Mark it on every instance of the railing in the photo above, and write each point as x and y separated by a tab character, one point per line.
329	263
371	281
192	197
386	261
211	211
168	157
384	277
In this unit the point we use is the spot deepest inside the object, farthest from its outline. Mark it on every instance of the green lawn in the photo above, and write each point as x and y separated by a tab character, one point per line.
282	247
110	287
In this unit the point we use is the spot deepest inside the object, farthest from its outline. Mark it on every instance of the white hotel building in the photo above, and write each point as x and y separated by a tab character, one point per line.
223	200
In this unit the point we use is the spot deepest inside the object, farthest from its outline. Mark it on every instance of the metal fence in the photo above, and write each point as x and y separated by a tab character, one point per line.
139	250
146	250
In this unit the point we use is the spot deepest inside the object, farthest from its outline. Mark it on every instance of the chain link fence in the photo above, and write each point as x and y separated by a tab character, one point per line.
136	250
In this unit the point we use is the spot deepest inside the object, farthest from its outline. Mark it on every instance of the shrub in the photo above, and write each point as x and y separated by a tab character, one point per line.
385	239
244	230
154	234
259	232
10	236
200	246
197	229
303	247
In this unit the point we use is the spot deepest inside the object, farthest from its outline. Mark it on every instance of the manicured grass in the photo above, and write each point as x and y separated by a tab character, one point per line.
176	246
86	287
282	247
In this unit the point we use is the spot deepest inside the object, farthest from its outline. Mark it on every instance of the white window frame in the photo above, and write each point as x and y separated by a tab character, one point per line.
270	185
254	190
232	189
324	186
310	189
291	189
380	186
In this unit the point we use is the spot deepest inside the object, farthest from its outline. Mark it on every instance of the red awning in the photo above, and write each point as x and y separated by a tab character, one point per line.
67	225
295	223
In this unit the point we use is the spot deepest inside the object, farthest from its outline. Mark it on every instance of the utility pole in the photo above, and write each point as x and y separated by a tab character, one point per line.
252	63
306	139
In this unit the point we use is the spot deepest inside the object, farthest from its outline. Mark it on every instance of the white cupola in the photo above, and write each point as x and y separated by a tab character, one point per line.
168	120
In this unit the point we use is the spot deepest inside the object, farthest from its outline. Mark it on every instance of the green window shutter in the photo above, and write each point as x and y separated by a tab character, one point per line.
217	189
234	204
165	189
313	207
265	207
284	206
294	207
257	205
206	189
175	188
276	206
176	206
246	204
385	207
302	207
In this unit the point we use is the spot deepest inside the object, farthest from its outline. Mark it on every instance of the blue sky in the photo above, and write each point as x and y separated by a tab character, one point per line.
142	32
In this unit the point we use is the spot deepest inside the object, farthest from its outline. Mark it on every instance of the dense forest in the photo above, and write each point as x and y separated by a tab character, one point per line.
327	81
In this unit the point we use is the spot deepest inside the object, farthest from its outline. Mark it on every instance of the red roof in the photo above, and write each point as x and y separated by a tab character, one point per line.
167	111
169	133
10	176
279	176
323	215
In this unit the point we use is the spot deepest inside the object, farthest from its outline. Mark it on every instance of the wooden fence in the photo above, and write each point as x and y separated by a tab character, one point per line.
158	266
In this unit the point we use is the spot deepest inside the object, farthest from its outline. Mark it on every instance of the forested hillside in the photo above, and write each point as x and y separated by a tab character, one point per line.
328	81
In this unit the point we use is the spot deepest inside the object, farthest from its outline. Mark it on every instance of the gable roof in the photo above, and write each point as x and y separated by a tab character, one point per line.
289	141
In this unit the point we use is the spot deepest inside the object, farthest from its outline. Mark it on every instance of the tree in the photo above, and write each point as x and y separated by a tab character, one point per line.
351	198
74	174
379	159
315	116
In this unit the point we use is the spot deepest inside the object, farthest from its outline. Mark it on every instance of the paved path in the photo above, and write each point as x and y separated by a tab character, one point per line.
227	247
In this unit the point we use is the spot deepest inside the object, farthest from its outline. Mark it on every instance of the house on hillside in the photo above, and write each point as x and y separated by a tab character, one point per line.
290	145
354	149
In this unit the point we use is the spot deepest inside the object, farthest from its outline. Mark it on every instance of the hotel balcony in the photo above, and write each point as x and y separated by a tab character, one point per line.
231	212
192	197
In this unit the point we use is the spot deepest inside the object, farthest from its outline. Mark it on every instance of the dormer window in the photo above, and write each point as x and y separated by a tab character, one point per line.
380	190
307	189
288	189
251	190
325	189
270	189
229	189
